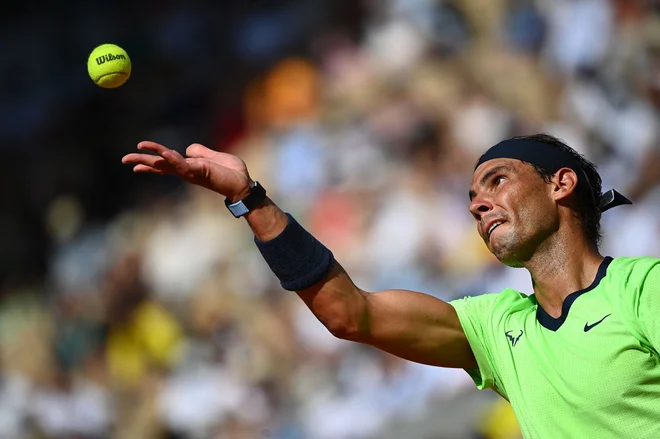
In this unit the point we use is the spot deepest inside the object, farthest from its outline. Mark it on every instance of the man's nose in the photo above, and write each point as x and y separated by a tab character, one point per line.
479	206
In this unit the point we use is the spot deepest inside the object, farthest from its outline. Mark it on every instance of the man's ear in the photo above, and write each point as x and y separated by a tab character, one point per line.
564	182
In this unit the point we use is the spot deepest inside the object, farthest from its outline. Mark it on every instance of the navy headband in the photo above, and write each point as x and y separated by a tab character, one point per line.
552	159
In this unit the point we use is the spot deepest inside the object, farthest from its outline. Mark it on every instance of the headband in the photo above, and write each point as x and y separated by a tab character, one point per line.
552	159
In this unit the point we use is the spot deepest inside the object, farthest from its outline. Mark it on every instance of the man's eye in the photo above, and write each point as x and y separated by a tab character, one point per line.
499	179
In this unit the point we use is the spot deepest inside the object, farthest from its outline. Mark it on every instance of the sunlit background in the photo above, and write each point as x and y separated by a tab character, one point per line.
134	306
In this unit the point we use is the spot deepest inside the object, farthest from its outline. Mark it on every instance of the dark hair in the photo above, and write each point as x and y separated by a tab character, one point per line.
586	205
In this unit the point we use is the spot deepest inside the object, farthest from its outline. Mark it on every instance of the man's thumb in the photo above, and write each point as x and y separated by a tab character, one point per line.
199	151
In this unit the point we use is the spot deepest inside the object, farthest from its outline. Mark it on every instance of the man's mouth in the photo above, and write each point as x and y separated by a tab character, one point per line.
493	227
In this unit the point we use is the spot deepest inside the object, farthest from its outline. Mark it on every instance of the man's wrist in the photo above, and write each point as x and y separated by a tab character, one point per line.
266	221
251	201
242	194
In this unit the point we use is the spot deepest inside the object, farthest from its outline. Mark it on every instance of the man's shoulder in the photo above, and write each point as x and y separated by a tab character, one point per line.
507	300
630	261
632	269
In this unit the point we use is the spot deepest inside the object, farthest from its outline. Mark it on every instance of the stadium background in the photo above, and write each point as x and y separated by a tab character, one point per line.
136	307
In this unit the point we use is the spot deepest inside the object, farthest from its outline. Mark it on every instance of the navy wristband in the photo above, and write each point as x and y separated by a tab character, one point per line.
297	258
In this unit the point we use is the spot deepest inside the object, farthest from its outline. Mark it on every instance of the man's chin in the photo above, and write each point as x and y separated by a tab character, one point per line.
511	262
507	257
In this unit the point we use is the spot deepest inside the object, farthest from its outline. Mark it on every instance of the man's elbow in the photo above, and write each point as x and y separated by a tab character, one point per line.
345	319
345	329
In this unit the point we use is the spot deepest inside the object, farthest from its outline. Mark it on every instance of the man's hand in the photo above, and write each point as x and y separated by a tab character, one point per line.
223	173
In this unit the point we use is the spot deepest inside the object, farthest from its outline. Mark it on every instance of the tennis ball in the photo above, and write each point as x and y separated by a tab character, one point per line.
109	66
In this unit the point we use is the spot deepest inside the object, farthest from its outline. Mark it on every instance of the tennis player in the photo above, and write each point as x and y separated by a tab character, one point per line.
577	359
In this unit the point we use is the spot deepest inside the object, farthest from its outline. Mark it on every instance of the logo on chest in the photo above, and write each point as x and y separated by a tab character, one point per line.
514	336
588	327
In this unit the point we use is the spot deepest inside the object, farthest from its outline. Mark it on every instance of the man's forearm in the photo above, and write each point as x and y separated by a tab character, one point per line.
333	298
338	304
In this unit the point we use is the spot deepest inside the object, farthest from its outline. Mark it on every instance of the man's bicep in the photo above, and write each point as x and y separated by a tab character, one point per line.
417	327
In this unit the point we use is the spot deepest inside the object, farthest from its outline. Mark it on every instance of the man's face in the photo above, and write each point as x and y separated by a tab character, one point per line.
513	207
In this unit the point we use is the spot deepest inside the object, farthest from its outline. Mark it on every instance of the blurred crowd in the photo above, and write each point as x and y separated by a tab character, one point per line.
152	315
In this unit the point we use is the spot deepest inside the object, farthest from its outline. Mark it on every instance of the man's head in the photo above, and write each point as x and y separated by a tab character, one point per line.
531	185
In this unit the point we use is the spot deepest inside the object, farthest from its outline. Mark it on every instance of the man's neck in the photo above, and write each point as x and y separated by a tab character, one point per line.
561	268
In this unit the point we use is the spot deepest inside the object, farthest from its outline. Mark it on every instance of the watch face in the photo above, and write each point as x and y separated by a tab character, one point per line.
244	206
238	209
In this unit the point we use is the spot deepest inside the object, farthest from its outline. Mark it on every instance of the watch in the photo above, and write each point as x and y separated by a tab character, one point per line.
243	207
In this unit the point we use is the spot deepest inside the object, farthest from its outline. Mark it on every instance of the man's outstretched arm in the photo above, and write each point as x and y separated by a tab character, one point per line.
408	324
411	325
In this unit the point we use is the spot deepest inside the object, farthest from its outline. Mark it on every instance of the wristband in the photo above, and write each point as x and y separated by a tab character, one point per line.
297	258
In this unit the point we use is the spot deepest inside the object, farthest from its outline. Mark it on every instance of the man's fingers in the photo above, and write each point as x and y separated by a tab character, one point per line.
198	168
148	163
169	162
145	159
164	159
147	169
177	161
197	150
191	169
154	147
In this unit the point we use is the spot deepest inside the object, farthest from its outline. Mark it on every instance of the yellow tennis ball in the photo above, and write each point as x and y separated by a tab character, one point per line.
109	66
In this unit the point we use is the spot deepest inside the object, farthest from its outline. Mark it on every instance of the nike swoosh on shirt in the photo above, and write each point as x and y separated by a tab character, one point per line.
588	327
